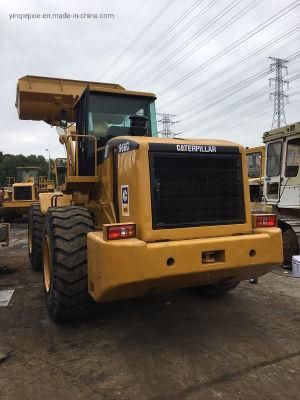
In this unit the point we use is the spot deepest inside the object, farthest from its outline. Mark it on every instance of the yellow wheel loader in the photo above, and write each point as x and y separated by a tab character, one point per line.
36	218
139	214
23	192
256	164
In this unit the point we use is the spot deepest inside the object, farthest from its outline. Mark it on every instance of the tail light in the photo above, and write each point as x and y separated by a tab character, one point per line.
264	220
119	231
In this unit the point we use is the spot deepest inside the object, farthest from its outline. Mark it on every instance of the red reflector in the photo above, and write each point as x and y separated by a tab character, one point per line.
121	232
265	220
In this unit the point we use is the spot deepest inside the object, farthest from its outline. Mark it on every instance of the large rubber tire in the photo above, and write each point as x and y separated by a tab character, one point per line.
217	289
35	237
8	215
65	262
290	245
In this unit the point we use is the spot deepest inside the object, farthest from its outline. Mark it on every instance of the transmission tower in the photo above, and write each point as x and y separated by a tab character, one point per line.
167	122
278	95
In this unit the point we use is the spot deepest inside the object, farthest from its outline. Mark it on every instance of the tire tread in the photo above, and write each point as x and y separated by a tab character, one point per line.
67	229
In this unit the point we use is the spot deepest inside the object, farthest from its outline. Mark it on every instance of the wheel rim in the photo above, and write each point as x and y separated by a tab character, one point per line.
47	266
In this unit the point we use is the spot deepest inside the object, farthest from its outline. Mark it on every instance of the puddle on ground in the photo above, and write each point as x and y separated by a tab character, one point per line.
5	297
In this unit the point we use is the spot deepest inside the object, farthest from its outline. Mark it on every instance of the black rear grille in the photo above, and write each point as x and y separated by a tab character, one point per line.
196	189
23	193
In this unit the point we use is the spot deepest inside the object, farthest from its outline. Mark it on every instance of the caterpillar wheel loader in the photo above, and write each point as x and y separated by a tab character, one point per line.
23	191
256	165
139	214
282	184
36	220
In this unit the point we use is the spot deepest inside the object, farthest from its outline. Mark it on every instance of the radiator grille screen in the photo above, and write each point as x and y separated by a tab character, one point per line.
23	193
196	189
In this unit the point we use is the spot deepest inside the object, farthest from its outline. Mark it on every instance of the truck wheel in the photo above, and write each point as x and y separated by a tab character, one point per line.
35	237
65	262
217	289
290	245
9	215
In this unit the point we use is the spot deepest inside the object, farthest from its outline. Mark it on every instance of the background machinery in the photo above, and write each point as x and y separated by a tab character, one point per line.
138	214
23	191
282	183
256	167
60	173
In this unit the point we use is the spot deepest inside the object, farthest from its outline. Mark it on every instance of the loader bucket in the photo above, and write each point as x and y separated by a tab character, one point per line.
44	99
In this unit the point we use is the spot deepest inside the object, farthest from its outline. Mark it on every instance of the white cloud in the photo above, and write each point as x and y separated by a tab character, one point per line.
85	49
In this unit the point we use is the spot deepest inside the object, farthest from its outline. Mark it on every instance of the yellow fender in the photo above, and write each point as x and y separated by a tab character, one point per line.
60	199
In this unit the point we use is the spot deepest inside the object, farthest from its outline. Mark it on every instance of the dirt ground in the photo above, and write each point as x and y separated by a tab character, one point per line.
179	345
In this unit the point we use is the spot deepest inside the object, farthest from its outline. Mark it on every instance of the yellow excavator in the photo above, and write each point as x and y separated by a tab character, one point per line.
138	214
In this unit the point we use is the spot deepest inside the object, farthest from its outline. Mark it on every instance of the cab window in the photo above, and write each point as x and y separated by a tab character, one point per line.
292	158
110	115
27	175
273	159
254	164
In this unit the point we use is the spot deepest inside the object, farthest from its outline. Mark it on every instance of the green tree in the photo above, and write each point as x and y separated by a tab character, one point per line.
10	162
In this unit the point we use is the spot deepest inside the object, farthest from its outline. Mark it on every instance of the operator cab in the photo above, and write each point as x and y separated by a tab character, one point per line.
27	174
282	183
101	116
254	164
108	115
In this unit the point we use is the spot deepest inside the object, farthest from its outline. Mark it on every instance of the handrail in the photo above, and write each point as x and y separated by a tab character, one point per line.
73	162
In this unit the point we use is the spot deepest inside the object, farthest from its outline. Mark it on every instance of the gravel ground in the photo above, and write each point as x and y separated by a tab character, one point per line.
178	345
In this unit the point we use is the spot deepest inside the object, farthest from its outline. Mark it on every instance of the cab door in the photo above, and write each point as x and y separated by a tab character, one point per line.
272	184
290	181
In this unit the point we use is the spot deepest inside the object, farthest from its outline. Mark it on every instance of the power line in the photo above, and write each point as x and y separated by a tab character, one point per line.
240	85
279	96
109	46
138	37
224	95
226	113
244	102
234	45
146	51
171	40
250	116
240	62
190	40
